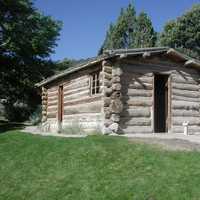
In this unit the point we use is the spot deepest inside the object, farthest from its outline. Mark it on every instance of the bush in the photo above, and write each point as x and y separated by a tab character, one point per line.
36	117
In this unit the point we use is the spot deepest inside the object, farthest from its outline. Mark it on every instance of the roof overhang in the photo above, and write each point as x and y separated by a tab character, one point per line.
124	53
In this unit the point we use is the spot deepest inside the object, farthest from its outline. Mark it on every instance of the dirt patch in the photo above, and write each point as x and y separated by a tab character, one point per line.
169	144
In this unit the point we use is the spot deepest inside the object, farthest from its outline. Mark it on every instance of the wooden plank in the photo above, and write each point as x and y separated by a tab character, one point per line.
187	99
186	93
76	96
136	85
137	92
186	113
135	121
77	90
136	112
185	105
185	86
136	129
83	108
83	100
191	120
138	102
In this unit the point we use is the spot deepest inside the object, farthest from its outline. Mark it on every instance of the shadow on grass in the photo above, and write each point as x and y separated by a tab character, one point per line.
7	126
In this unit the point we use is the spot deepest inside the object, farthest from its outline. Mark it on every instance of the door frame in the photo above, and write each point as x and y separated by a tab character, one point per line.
169	118
60	106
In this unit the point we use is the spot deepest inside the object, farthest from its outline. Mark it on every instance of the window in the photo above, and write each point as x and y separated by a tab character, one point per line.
94	81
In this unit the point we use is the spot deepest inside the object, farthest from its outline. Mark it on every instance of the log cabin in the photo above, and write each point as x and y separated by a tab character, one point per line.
125	91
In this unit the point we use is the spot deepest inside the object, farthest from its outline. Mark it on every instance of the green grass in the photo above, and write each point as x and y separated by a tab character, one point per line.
94	168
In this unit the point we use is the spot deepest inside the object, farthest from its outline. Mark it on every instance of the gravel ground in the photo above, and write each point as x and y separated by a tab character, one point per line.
169	144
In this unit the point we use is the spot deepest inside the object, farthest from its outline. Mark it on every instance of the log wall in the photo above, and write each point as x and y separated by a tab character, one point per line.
137	96
79	106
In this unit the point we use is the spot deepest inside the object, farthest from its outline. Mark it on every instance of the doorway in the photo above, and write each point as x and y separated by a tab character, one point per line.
160	103
60	104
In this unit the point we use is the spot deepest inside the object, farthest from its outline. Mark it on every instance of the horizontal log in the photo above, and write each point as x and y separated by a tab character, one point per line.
108	69
139	71
107	76
188	99
52	109
54	93
75	85
185	113
140	79
52	115
191	120
185	105
80	125
84	116
76	77
77	95
136	129
52	98
186	93
188	80
126	98
83	108
135	121
52	89
137	92
83	100
76	91
185	86
52	103
154	65
138	102
136	112
136	85
191	129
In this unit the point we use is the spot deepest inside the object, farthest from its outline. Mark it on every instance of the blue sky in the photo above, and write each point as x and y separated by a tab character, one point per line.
85	21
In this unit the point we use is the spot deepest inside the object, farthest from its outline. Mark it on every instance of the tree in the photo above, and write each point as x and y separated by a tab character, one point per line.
121	34
184	33
145	35
130	31
27	38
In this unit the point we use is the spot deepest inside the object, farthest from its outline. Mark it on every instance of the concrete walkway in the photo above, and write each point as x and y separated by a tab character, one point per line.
180	136
36	131
173	141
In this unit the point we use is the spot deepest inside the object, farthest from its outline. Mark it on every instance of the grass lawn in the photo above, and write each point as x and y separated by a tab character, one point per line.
33	167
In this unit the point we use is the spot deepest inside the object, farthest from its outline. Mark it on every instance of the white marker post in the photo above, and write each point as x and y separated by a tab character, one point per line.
185	125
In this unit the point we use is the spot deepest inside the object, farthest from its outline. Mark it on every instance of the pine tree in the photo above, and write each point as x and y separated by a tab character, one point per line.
121	34
145	35
184	33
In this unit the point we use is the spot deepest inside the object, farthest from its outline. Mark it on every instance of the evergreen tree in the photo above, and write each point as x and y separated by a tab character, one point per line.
184	33
130	31
121	34
145	35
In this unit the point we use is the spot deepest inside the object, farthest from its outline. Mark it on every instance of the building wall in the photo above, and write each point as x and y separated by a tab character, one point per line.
81	109
137	95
